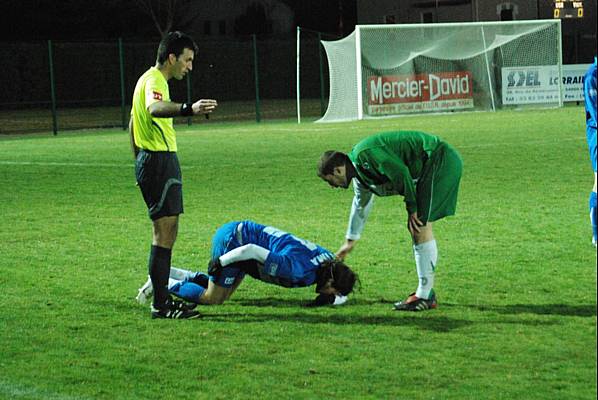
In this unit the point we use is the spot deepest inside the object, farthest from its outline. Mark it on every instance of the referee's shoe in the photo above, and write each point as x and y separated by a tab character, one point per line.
175	309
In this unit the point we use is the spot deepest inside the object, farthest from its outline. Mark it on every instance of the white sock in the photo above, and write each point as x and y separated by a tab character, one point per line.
172	282
179	273
426	255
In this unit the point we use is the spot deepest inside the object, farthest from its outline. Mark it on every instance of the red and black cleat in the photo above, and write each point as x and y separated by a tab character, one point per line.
414	303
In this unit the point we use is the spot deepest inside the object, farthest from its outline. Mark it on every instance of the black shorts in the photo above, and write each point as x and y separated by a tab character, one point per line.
158	175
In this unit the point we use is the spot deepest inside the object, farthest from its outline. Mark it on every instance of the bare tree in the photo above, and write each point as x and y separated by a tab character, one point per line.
255	19
168	14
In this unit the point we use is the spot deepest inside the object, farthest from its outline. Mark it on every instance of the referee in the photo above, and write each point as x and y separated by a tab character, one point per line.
157	169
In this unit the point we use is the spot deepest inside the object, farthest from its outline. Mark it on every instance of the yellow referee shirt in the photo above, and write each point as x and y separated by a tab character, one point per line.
154	134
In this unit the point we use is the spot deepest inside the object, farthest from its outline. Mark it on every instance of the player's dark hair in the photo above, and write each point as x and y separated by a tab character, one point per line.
329	161
343	278
174	43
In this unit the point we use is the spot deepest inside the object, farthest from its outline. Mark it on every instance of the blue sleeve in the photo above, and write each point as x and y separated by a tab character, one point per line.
223	240
589	91
279	265
286	270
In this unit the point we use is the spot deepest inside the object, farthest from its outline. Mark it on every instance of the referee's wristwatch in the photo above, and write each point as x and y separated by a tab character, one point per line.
186	109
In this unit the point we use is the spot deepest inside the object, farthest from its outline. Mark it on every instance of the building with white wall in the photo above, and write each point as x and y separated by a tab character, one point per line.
219	19
579	34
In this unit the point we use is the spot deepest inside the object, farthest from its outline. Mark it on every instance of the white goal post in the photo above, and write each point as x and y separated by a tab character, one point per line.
386	70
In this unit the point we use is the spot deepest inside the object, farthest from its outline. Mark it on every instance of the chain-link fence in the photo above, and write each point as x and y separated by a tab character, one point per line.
77	85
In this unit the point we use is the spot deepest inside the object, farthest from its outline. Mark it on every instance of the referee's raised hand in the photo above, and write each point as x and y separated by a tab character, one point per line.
204	106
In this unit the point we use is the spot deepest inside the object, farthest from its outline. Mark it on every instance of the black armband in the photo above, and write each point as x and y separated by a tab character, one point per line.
186	110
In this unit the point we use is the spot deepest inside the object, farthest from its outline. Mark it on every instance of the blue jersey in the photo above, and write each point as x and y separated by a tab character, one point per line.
589	94
292	261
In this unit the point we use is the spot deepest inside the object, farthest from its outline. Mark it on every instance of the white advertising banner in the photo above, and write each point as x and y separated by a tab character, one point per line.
440	91
573	81
539	84
530	85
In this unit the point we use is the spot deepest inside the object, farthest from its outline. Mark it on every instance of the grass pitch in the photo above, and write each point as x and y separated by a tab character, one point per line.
516	278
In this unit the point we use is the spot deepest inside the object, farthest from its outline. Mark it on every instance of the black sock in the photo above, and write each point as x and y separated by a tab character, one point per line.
159	270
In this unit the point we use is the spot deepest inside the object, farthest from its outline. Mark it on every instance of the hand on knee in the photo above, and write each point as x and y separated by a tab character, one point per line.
424	235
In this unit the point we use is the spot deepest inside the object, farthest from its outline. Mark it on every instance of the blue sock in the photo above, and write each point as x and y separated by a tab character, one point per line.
187	290
593	214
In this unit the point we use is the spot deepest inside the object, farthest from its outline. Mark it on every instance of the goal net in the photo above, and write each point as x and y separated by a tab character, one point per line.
385	70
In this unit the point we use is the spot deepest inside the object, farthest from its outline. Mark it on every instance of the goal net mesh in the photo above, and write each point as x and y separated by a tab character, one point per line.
384	70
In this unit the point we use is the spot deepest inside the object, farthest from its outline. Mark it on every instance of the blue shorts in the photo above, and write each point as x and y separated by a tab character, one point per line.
591	136
223	241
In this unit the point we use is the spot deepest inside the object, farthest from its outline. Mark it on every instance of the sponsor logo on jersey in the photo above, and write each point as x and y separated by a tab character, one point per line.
157	95
320	258
229	281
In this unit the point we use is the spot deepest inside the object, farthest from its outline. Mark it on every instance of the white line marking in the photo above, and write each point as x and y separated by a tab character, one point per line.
64	164
17	392
75	164
519	143
110	165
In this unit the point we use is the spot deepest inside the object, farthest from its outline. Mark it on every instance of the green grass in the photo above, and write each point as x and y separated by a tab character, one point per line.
516	278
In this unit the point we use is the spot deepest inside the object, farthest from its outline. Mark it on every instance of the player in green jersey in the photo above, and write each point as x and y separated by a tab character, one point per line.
157	169
423	169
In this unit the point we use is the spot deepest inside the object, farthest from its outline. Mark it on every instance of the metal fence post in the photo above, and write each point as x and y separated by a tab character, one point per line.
257	80
189	119
122	83
322	105
52	89
298	73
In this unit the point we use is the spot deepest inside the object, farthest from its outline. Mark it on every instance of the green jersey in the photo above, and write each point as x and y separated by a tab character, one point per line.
391	163
151	133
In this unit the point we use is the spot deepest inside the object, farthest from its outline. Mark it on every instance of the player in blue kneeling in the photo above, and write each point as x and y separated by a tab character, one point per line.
264	253
589	94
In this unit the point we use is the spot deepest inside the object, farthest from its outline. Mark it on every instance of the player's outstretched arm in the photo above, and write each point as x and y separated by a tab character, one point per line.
345	249
170	109
165	109
243	253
